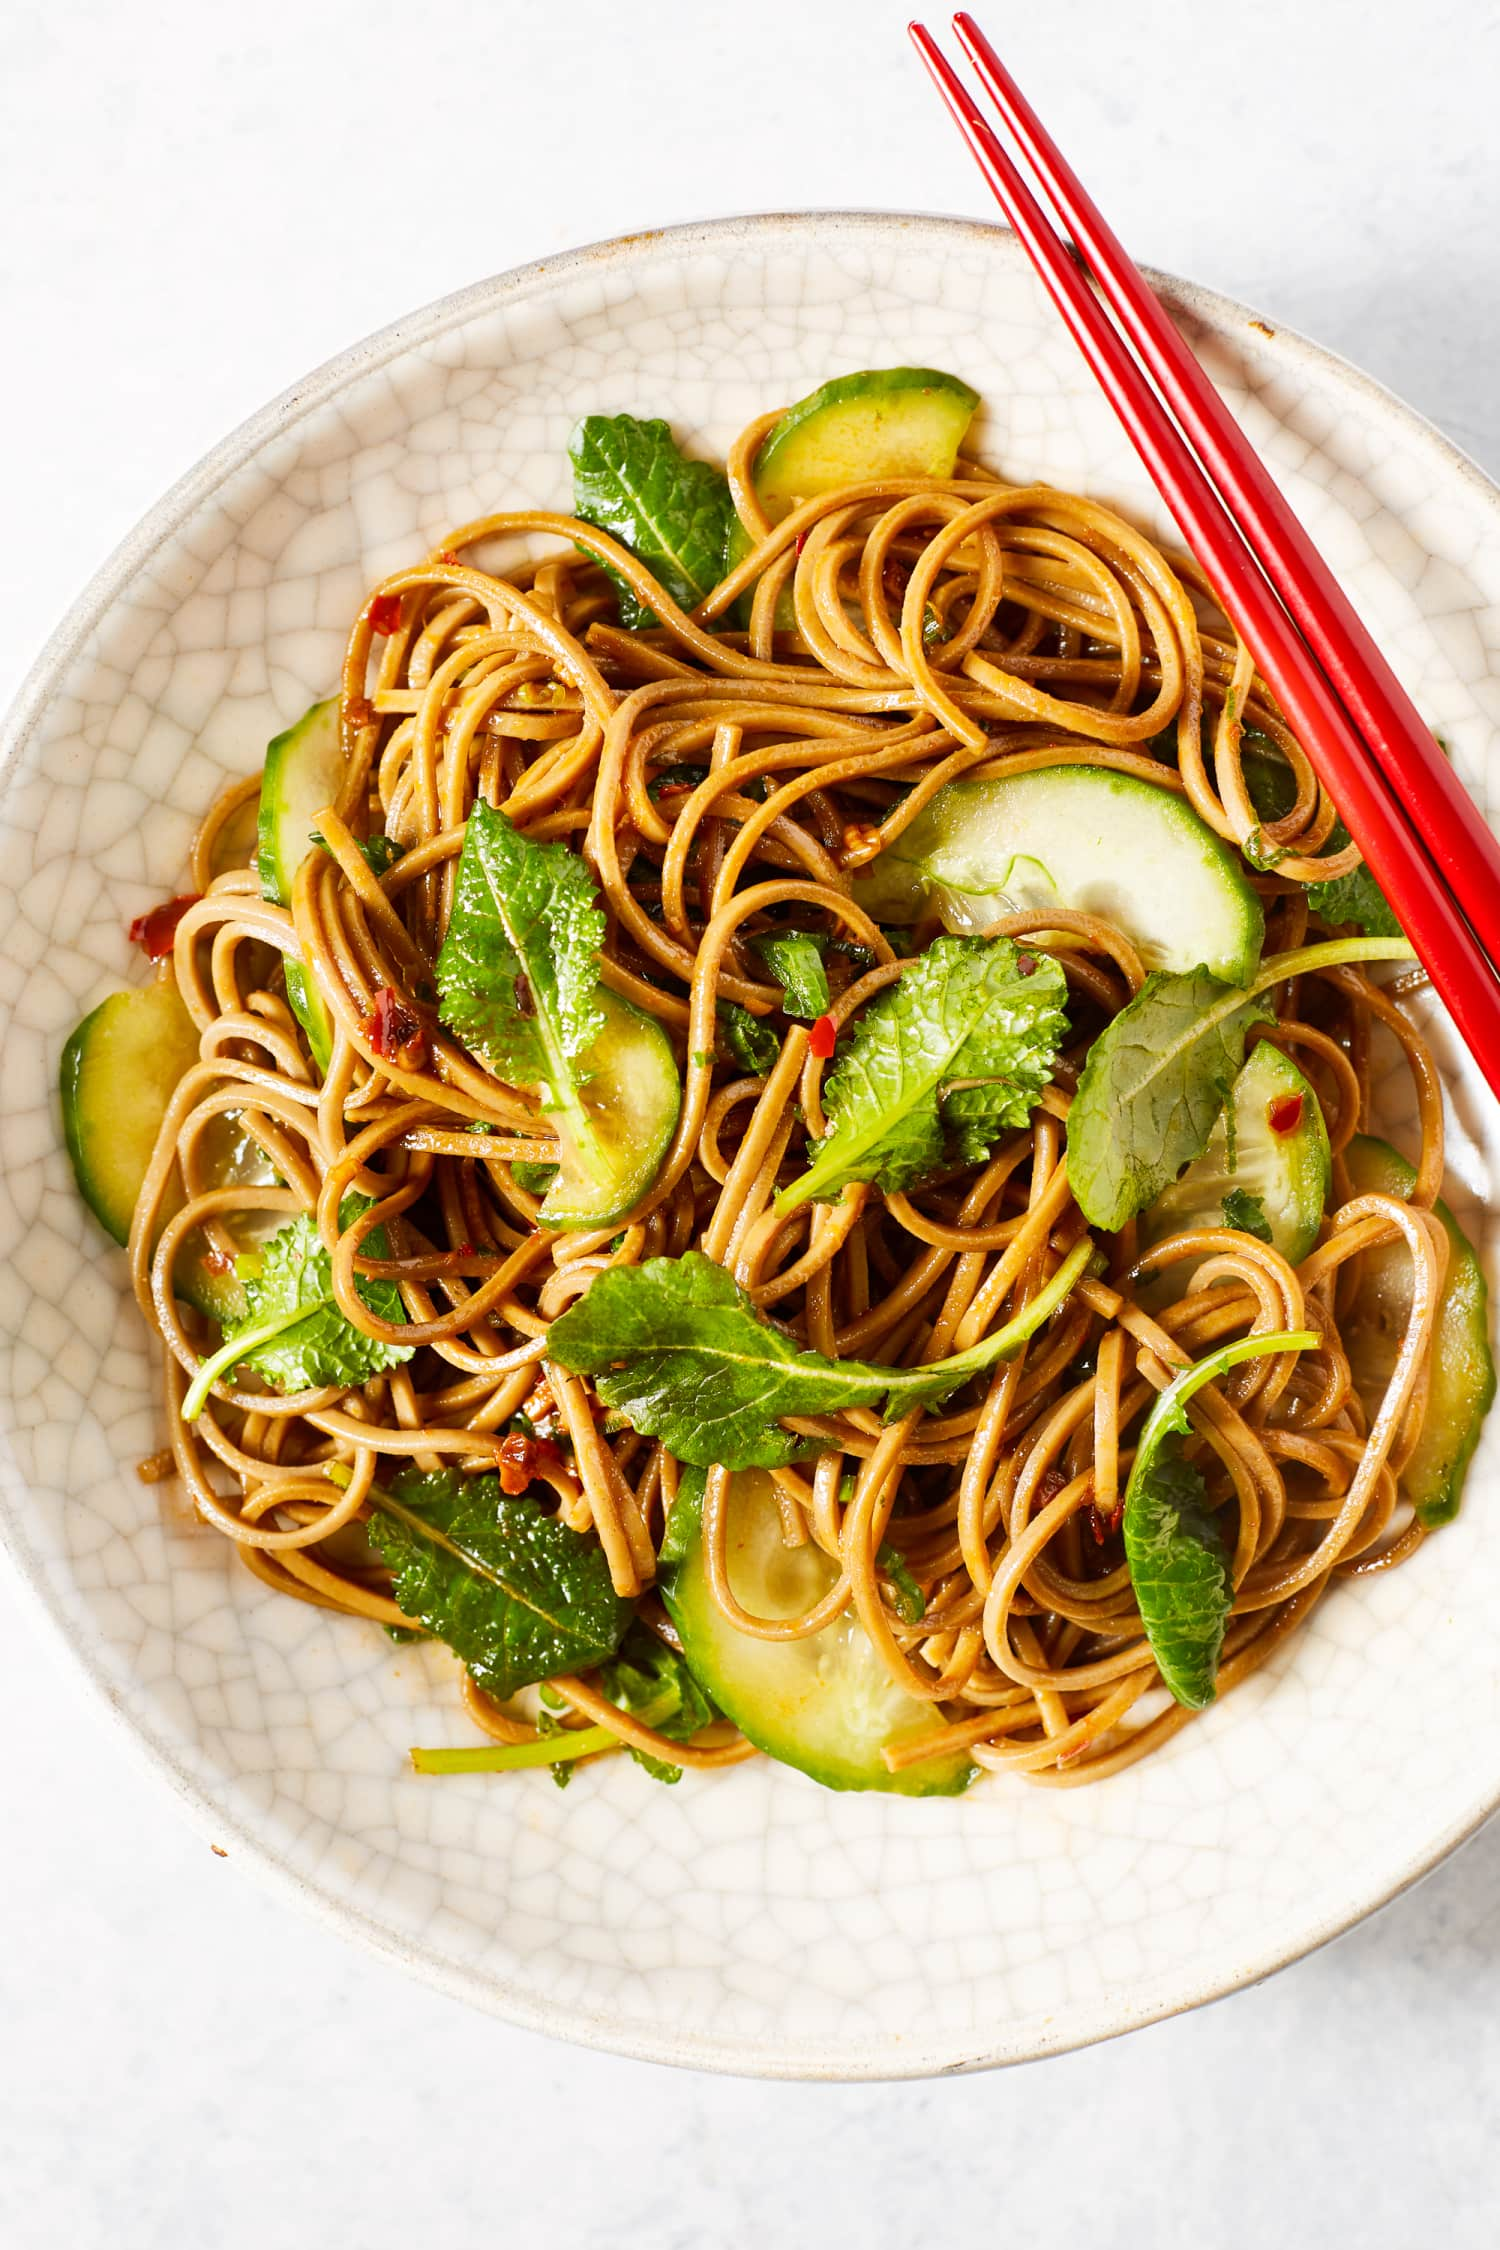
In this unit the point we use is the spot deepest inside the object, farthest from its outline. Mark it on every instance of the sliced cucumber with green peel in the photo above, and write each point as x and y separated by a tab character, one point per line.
1281	1158
881	422
1462	1385
304	767
825	1705
1081	837
119	1072
632	1097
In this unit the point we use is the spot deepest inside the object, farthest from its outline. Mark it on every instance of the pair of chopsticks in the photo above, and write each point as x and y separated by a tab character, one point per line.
1430	850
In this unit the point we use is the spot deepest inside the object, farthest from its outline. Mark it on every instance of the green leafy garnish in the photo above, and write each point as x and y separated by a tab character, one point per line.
1179	1567
631	479
1174	1550
910	1601
518	973
751	1041
534	1178
647	1679
683	1518
292	1333
795	960
1158	1075
976	1009
1152	1089
1247	1213
1354	899
679	1348
517	1595
379	853
653	1683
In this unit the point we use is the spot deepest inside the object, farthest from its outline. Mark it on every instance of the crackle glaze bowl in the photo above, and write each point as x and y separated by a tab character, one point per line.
746	1921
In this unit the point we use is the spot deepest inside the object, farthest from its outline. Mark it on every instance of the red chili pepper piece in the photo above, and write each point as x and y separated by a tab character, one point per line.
517	1456
823	1037
801	542
157	928
1285	1114
385	613
395	1031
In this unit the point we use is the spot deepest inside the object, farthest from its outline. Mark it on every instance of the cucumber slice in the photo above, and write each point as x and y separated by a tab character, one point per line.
881	422
304	767
1288	1171
825	1705
632	1096
1078	836
1463	1372
119	1071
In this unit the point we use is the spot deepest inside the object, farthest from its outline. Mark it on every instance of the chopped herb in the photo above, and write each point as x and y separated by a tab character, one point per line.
751	1042
1175	1552
1354	900
292	1333
631	479
653	1683
683	1518
909	1600
795	960
1157	1077
964	1011
1153	1089
379	853
513	1592
1247	1213
518	972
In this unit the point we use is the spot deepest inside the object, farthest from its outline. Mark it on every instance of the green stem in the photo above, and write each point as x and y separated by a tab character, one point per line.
234	1348
1331	954
949	1373
1168	1412
547	1750
507	1757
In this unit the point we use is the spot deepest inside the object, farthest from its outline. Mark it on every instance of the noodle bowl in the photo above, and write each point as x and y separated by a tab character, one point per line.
717	777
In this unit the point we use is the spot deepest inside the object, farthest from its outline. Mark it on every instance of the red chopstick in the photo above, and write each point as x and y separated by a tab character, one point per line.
1465	848
1395	850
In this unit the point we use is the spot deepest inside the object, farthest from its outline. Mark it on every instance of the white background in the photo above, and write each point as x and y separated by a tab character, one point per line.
201	202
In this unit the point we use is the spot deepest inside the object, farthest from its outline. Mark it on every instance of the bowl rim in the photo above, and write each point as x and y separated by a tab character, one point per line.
575	2022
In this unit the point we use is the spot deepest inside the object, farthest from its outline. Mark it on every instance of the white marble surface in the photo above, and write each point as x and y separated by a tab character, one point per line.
208	211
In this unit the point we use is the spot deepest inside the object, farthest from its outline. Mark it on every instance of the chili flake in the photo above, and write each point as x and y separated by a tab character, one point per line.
1285	1114
516	1459
156	929
823	1037
395	1031
385	613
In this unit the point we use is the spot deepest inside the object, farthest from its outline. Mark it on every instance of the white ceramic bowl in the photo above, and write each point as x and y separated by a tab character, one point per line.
748	1921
